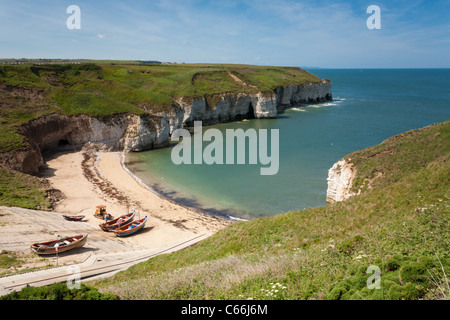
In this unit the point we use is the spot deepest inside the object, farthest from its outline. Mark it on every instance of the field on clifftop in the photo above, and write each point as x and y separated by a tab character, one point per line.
398	226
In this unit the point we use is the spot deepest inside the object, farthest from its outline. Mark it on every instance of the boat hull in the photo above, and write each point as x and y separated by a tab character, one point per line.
113	224
66	244
128	230
73	218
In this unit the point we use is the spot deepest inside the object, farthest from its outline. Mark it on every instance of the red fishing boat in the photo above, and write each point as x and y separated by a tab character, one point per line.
118	222
131	228
73	218
59	245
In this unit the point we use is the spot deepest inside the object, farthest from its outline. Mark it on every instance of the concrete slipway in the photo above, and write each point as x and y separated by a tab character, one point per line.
102	256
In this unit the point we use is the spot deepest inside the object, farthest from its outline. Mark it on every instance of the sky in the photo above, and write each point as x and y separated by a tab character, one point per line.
321	33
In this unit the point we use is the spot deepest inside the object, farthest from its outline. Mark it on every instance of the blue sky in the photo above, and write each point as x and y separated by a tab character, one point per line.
327	34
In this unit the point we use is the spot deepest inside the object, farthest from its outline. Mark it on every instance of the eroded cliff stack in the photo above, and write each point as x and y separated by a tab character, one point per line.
340	181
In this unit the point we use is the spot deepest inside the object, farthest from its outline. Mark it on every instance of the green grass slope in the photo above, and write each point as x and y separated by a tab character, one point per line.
390	242
22	190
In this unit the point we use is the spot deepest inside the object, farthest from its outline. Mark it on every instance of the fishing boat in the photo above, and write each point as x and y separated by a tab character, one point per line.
60	245
73	218
118	222
130	228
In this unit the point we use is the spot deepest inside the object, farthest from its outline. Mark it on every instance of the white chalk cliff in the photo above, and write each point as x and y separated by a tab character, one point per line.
340	180
142	132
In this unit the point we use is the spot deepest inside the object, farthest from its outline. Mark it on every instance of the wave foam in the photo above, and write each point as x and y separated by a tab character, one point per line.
323	104
302	109
332	103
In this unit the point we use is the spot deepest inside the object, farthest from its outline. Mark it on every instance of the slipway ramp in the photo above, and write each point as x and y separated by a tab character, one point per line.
103	255
95	267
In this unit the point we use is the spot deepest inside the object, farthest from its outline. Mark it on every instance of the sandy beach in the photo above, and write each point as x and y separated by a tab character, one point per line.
89	178
86	179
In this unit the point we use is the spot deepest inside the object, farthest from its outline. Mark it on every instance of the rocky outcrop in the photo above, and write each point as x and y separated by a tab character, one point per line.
340	180
142	132
129	132
304	93
26	160
227	107
52	130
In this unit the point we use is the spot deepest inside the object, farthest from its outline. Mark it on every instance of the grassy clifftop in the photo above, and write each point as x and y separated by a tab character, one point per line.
28	91
104	88
398	227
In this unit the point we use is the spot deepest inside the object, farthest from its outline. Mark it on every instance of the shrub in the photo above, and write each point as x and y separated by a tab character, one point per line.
58	291
401	279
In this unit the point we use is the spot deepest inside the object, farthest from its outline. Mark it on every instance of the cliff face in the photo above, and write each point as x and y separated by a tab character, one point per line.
138	133
129	132
340	180
306	93
228	107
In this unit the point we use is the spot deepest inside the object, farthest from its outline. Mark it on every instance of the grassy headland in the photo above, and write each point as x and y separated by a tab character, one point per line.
399	224
104	88
28	91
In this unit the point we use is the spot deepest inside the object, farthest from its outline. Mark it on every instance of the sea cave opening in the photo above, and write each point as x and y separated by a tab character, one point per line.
63	143
251	112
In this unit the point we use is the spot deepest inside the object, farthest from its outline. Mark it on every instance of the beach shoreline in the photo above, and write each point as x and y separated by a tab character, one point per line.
86	178
223	214
102	178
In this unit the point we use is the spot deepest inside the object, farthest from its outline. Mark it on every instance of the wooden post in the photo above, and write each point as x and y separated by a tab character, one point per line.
56	248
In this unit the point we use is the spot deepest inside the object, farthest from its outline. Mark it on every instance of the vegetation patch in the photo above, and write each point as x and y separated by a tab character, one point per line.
400	225
22	190
8	259
58	291
412	278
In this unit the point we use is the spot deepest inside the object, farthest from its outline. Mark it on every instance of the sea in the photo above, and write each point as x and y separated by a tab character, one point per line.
368	106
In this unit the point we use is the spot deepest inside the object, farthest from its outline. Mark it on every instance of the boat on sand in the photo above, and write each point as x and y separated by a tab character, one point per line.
59	245
118	222
131	228
73	218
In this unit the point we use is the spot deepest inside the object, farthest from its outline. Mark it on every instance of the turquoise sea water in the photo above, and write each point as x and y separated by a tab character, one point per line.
369	106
